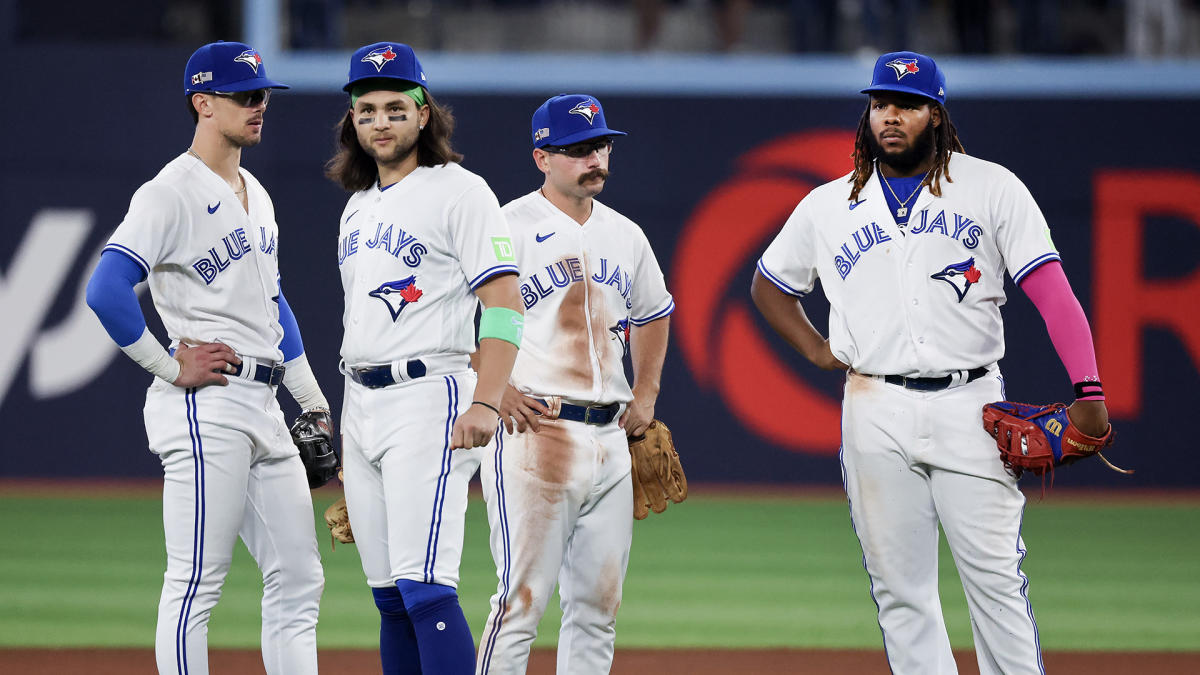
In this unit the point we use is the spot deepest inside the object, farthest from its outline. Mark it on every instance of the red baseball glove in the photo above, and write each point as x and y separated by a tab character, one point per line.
1038	438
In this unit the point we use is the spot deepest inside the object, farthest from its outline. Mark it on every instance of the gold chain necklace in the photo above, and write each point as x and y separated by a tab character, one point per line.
237	192
903	210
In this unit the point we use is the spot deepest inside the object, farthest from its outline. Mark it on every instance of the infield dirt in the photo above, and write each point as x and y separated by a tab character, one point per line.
627	661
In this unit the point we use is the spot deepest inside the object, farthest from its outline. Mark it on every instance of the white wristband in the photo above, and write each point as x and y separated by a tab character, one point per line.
149	354
302	384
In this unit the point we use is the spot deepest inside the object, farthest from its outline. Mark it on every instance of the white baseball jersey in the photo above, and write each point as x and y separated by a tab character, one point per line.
582	287
925	303
215	265
411	256
230	467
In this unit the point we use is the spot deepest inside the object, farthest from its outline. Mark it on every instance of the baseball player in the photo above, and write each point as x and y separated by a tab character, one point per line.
422	242
911	250
203	233
557	481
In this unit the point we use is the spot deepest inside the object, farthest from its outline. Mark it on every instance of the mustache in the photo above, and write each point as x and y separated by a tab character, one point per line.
593	175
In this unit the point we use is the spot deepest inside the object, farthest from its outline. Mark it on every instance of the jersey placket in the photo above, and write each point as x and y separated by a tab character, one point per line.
917	314
593	355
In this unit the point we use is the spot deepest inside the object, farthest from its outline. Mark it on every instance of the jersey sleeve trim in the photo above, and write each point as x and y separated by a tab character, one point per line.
1034	264
779	282
657	315
490	272
129	253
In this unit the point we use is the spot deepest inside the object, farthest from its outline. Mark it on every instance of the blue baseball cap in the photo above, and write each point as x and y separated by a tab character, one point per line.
226	66
910	73
569	118
389	60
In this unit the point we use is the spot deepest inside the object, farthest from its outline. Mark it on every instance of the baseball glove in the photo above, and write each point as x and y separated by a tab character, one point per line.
657	473
312	433
338	520
1038	438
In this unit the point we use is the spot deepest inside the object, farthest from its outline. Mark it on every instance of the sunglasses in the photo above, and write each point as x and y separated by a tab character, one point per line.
580	150
245	99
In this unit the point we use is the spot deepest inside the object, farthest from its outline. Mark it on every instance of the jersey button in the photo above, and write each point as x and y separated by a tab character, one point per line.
916	302
921	340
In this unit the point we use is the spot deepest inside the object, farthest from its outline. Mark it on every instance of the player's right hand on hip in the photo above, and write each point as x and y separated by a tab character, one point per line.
474	428
203	364
521	409
827	361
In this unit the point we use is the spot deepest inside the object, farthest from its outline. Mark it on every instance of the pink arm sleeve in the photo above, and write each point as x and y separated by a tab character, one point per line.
1051	293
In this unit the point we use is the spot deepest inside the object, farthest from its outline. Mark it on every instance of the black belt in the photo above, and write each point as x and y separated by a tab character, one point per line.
933	383
271	375
377	377
595	413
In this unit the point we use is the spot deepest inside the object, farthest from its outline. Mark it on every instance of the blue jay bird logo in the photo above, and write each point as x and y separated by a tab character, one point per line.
903	67
586	110
621	334
960	276
250	58
380	57
398	294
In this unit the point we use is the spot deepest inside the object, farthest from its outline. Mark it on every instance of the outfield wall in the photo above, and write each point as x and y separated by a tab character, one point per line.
710	178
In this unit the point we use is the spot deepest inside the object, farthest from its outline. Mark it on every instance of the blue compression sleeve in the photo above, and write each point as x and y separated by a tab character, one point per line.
291	345
110	295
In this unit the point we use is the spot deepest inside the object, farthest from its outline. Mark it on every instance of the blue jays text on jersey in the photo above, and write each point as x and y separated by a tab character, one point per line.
864	238
568	271
393	239
236	247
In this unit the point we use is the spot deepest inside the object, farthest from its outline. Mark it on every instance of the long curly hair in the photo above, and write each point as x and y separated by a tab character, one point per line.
945	141
355	170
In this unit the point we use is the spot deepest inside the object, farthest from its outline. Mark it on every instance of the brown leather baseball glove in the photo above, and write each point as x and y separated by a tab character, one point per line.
657	473
1038	438
338	520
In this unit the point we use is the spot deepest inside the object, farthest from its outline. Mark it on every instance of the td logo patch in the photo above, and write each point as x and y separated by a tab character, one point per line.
503	248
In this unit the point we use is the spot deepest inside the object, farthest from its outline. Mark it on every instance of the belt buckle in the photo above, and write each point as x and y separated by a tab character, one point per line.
277	374
587	415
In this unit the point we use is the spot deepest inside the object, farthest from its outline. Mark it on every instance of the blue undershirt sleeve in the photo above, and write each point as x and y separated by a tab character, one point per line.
110	295
291	345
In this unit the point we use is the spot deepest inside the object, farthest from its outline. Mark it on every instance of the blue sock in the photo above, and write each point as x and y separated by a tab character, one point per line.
443	636
398	652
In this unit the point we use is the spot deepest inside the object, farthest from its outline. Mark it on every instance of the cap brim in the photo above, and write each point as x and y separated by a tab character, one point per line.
246	85
386	78
902	89
580	136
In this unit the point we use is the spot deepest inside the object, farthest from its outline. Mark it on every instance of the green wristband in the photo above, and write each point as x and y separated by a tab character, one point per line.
502	323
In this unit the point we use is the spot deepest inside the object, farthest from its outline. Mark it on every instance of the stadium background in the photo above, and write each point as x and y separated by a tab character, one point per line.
721	146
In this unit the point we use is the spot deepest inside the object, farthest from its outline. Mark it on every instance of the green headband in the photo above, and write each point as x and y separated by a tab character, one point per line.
415	91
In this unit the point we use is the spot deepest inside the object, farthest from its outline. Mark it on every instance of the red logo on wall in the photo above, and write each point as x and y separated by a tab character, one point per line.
721	343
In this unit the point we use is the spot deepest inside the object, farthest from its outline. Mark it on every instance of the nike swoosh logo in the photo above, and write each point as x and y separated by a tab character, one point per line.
543	237
213	209
350	216
854	204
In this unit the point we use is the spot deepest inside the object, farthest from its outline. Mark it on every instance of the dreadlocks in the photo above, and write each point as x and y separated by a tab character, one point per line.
945	141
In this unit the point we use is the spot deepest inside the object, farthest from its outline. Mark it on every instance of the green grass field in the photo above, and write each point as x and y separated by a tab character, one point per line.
716	571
